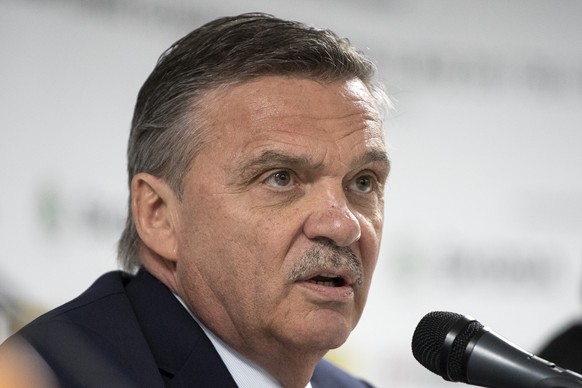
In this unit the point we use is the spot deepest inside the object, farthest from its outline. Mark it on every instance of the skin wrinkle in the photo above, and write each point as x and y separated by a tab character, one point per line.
363	124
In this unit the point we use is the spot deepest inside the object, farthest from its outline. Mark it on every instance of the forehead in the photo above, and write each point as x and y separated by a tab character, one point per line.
292	112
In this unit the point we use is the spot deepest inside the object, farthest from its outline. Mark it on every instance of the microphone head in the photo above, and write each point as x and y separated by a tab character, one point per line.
459	348
440	341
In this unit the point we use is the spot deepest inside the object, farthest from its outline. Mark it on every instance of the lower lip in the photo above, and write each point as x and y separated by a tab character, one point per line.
327	293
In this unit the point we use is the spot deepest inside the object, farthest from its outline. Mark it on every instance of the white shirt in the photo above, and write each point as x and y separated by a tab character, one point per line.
245	372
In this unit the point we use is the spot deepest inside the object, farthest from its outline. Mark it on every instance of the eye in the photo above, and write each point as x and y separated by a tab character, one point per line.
362	184
280	179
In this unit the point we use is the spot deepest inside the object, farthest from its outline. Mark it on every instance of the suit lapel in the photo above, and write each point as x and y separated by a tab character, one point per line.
183	353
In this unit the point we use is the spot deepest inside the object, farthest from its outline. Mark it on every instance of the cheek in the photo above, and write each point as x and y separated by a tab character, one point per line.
370	242
371	225
226	238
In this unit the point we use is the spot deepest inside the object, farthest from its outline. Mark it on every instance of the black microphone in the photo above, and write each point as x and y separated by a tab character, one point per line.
459	348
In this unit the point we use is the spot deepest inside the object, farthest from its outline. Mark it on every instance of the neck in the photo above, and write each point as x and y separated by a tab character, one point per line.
291	370
290	364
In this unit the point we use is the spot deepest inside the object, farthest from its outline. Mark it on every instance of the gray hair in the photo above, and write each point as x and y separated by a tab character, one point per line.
165	134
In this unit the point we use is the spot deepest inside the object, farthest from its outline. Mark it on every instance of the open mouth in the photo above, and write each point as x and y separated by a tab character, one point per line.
328	280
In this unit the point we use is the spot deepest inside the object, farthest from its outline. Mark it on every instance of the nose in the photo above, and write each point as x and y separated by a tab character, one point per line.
331	218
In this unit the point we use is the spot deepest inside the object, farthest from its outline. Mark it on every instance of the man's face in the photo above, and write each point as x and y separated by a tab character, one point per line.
281	218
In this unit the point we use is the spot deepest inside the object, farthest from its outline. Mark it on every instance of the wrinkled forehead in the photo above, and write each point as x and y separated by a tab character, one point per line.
336	120
286	99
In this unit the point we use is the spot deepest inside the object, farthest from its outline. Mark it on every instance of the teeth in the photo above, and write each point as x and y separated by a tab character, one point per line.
328	280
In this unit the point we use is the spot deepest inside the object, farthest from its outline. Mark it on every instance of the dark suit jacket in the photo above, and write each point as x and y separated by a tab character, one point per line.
565	349
130	331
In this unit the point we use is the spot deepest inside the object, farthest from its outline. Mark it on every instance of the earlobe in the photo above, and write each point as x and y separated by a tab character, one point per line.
154	208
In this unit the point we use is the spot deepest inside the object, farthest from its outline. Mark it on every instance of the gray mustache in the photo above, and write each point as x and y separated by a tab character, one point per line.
324	255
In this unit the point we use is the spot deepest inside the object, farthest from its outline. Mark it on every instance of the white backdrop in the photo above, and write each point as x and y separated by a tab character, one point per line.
484	210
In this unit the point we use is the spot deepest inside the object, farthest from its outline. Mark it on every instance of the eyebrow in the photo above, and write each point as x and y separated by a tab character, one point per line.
372	156
270	159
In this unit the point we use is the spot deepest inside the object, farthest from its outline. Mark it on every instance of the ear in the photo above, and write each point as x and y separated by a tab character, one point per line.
154	205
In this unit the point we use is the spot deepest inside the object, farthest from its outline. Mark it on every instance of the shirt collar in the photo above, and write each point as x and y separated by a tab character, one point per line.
245	372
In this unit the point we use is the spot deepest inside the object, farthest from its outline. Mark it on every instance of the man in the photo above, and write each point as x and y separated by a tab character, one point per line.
257	166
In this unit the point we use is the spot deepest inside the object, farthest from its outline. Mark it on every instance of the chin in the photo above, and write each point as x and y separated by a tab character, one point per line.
323	332
327	340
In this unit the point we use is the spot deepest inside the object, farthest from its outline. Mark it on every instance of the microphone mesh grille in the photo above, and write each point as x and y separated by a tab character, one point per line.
457	369
429	338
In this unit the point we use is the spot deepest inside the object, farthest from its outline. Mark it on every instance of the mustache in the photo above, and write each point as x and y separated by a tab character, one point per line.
325	255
